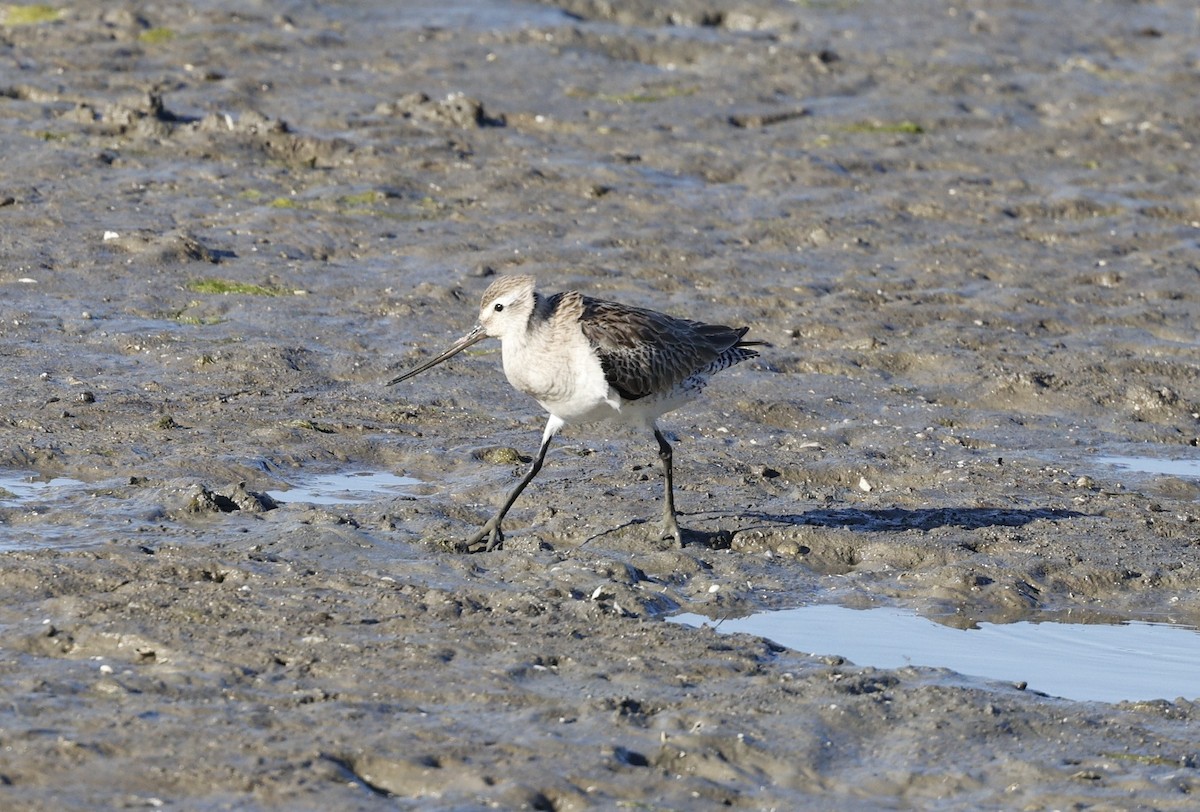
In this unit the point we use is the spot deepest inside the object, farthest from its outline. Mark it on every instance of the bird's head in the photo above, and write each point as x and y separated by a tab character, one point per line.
507	305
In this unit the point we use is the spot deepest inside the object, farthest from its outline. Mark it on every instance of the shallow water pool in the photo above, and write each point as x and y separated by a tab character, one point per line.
1154	465
1109	663
353	488
22	487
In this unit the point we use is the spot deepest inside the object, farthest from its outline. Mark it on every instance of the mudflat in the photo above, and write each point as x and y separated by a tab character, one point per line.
971	234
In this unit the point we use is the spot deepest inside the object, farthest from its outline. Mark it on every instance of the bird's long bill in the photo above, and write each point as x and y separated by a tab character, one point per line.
473	337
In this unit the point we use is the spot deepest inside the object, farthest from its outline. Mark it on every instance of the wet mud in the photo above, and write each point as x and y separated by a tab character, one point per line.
970	233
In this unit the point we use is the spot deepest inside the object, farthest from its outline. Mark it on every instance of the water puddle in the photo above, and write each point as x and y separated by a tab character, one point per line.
25	487
1131	661
31	506
471	15
355	488
1153	465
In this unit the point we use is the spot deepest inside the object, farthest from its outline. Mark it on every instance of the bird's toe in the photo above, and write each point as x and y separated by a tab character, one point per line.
495	540
492	533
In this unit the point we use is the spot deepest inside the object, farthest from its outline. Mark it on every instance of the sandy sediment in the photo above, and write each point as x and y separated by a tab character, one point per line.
969	234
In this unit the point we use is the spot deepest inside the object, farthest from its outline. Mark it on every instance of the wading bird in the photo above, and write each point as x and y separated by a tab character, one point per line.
586	360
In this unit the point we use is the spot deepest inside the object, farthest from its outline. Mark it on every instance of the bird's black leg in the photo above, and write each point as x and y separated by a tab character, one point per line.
670	525
491	531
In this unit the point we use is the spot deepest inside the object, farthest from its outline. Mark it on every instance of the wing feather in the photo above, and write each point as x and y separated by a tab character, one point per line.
643	352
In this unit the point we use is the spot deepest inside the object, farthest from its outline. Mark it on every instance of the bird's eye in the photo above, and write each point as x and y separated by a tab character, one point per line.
498	307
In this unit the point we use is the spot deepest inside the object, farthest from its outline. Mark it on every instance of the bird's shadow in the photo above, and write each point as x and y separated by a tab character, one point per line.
860	520
892	519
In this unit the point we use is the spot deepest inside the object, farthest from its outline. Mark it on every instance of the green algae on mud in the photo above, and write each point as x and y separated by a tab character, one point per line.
226	287
14	15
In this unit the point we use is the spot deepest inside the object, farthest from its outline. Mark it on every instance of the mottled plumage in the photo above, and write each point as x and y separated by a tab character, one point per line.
643	352
586	360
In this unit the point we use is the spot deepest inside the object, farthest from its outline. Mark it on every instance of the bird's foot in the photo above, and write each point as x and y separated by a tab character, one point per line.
490	531
671	532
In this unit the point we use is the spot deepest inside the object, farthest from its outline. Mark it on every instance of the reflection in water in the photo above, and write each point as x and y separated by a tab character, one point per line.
461	15
1152	465
1132	661
28	500
345	489
18	487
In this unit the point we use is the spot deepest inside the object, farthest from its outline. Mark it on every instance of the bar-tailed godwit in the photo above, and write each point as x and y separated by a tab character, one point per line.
586	360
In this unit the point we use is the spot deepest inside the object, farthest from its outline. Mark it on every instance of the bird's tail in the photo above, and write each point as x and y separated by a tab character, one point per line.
742	345
736	353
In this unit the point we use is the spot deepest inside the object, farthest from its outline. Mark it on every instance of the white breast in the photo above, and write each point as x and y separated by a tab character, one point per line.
565	379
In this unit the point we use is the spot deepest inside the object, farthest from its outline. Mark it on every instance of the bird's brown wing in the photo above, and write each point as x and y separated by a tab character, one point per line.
643	352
